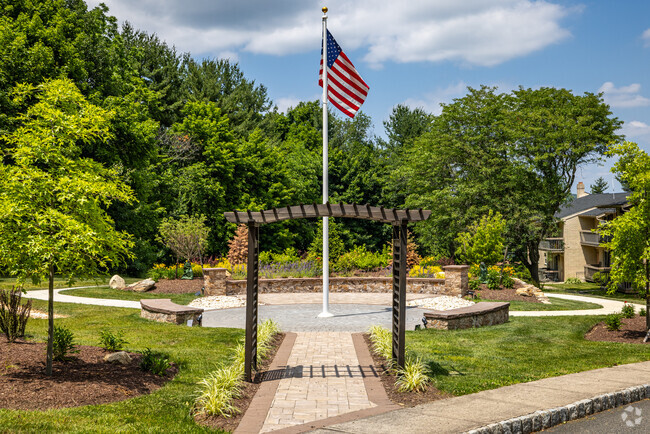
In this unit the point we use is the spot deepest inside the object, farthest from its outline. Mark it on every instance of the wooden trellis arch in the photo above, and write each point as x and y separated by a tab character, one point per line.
399	218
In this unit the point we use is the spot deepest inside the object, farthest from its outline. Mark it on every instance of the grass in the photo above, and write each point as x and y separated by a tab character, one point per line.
118	294
556	304
522	350
59	282
590	290
197	351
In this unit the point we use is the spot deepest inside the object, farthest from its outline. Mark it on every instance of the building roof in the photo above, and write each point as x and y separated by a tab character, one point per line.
590	201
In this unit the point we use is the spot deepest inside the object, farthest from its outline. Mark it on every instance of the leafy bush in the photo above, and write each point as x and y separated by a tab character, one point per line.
155	362
291	269
642	312
474	284
493	280
432	271
573	280
507	281
110	341
63	344
601	278
361	259
13	314
627	311
413	376
483	241
613	321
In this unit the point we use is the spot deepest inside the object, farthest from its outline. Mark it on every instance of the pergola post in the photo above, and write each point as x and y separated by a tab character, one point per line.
252	274
399	292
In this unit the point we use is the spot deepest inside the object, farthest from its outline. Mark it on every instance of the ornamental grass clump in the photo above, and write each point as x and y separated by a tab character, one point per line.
413	376
218	391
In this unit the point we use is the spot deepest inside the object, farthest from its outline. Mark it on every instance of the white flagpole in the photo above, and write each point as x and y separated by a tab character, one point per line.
326	247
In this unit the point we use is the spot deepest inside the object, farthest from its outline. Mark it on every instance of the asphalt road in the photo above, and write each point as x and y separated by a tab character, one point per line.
633	418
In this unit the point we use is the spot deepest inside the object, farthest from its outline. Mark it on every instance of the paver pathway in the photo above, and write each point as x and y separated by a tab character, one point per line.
325	380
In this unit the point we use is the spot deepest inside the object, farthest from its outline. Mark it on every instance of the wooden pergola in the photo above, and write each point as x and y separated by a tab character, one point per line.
399	218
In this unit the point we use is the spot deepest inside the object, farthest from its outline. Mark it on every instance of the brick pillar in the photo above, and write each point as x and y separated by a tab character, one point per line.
214	280
456	279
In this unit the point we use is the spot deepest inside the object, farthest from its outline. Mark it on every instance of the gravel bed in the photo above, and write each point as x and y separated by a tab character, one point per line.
444	302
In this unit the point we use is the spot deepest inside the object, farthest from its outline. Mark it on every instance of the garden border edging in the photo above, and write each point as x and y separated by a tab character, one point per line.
544	419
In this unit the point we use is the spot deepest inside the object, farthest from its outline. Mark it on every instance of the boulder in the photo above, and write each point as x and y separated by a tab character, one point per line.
117	282
121	357
526	291
141	286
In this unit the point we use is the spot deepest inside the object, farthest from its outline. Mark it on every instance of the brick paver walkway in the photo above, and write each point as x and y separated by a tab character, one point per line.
324	380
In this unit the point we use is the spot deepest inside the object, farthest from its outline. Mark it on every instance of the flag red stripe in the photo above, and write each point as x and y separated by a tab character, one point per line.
353	93
342	99
344	94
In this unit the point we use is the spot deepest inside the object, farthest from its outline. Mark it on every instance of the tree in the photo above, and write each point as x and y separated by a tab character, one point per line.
483	241
600	186
52	201
514	153
630	233
187	237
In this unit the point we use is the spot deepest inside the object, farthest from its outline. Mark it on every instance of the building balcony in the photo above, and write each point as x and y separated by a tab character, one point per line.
590	270
552	245
588	238
549	275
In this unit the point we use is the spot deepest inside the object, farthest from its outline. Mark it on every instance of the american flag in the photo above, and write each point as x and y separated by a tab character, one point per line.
346	90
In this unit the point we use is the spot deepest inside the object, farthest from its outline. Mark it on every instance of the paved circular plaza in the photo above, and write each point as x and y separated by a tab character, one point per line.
304	317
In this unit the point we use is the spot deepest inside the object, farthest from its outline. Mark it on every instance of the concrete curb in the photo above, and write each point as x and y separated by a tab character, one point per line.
544	419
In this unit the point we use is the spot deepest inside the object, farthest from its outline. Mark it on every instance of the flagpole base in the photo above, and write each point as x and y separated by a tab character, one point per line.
325	314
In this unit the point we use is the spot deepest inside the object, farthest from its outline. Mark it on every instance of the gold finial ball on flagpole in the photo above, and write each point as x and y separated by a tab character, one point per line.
324	9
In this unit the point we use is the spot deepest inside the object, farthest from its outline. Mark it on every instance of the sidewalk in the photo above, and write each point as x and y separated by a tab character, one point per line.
42	294
470	412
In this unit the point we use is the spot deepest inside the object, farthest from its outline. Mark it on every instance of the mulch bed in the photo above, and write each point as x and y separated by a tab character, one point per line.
85	379
505	294
632	331
406	399
177	286
248	392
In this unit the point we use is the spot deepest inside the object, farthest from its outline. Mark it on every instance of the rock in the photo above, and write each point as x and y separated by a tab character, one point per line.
141	286
526	291
117	282
121	357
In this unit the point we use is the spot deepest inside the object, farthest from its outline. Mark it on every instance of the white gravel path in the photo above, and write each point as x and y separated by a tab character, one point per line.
444	302
218	302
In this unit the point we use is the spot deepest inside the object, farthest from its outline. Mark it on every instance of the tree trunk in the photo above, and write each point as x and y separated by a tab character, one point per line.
177	267
50	322
532	262
647	295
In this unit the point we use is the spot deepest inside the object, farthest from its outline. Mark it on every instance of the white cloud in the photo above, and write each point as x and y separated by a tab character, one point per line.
636	129
646	38
430	102
624	96
286	103
472	31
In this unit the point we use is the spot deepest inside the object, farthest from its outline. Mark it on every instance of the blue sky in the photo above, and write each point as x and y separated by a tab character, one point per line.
424	52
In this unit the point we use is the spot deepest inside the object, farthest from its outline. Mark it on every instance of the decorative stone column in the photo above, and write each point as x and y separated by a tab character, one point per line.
214	280
456	279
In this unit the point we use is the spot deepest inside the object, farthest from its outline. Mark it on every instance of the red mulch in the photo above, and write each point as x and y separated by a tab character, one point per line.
177	286
406	399
248	392
632	331
85	379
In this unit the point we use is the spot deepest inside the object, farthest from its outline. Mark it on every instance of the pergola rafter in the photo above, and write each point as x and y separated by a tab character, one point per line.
399	218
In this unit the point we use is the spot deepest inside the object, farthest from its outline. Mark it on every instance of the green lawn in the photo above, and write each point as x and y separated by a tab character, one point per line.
524	349
590	290
118	294
556	304
196	350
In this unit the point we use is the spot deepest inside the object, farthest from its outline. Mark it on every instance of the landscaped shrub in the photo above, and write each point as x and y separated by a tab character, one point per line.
304	268
111	341
474	284
155	362
600	278
483	240
493	280
572	280
381	339
222	386
63	344
361	259
642	312
627	311
238	246
432	271
613	321
13	314
507	281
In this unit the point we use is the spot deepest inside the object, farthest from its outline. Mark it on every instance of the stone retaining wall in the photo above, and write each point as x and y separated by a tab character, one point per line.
479	315
455	283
